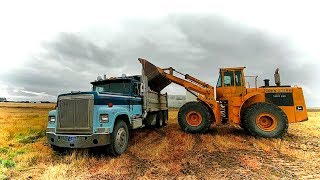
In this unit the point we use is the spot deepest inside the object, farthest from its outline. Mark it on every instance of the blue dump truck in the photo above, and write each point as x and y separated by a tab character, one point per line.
104	116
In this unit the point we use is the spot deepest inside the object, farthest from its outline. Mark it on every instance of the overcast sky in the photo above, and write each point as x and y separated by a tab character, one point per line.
52	47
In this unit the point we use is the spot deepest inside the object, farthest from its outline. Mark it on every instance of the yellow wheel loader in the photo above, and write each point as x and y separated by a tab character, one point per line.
261	111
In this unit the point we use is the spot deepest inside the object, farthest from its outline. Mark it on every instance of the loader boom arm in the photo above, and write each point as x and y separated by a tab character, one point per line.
190	82
161	77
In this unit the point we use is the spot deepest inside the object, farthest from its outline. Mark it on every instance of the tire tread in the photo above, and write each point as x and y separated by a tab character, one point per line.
189	106
257	107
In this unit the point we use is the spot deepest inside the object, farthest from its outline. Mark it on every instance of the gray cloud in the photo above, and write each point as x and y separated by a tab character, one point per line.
77	50
194	44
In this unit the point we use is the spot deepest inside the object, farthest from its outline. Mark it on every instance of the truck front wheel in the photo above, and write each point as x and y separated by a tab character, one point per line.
119	138
194	117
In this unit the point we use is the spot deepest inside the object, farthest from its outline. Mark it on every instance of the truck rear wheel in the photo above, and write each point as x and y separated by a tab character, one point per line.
165	118
265	120
194	117
159	120
162	119
119	138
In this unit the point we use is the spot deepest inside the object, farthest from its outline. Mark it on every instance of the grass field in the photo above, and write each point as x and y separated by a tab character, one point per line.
222	153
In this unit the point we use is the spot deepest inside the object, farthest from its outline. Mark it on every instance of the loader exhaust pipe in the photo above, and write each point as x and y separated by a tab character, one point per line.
266	82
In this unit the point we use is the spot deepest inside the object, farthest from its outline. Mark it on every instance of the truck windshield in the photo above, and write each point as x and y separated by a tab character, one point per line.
114	87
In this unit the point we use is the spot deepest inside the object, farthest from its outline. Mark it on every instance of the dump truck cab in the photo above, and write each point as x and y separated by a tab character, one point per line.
104	115
120	92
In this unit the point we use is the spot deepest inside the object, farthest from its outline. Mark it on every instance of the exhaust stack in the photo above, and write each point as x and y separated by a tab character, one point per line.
266	82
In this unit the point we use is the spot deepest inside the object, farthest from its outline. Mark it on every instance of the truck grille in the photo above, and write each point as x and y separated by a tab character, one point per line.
75	114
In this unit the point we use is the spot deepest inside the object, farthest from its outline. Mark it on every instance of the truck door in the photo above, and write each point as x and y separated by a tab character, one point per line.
135	101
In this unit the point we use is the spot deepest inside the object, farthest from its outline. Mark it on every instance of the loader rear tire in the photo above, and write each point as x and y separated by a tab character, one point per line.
265	120
194	117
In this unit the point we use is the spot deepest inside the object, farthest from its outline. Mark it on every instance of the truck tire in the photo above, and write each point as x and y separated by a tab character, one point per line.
165	118
119	138
194	117
265	120
159	120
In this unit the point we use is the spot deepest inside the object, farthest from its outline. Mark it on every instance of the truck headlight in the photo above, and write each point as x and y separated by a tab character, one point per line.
52	119
104	118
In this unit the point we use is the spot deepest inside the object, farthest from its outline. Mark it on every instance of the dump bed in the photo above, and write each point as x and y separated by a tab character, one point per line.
153	100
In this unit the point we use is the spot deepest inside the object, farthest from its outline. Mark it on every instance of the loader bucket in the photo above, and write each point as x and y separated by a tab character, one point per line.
155	75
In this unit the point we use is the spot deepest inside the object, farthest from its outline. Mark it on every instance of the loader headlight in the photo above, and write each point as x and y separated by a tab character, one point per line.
52	119
104	118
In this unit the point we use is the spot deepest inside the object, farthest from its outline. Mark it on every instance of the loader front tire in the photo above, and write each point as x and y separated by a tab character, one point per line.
265	120
194	117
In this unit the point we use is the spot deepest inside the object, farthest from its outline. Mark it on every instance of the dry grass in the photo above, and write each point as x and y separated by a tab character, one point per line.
222	153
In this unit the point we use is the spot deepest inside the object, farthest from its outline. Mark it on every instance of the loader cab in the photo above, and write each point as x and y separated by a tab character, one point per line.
231	83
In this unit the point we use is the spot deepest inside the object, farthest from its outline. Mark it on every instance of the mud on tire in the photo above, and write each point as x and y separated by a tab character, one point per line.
194	117
265	120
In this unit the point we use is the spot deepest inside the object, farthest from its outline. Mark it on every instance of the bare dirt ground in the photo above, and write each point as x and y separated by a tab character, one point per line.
168	153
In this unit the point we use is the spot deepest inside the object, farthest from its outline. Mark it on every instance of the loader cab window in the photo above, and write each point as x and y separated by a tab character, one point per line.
238	78
228	78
